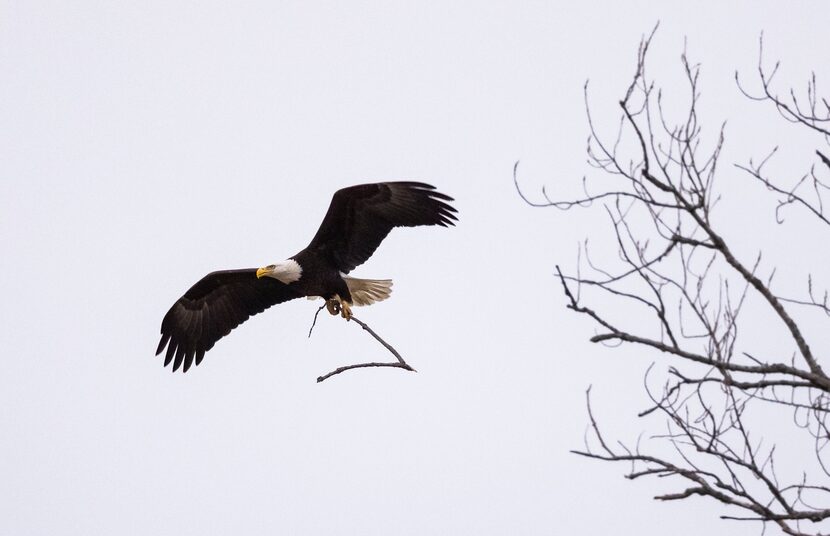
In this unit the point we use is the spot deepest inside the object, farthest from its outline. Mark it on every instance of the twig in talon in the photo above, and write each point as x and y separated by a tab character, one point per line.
400	363
314	323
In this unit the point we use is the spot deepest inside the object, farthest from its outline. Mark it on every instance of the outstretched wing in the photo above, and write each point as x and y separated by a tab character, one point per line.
360	217
215	305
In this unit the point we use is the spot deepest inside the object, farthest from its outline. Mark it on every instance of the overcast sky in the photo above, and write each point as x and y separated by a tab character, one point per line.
145	144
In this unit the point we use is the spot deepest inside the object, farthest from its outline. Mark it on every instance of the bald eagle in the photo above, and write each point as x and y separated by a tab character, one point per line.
358	219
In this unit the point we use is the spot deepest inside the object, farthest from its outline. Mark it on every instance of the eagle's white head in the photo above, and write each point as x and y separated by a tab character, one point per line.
284	271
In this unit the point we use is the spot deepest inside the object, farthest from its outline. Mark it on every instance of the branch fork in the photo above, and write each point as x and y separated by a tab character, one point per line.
399	363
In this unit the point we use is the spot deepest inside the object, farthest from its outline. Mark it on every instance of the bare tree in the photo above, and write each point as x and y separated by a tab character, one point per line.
678	288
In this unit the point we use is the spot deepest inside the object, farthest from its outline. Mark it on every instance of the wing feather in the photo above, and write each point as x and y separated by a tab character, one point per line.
164	339
360	217
171	350
211	308
179	356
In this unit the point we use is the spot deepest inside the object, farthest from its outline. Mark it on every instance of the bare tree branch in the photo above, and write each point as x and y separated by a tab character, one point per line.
809	111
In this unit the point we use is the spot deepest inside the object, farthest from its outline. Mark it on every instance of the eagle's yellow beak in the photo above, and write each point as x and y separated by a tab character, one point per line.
261	272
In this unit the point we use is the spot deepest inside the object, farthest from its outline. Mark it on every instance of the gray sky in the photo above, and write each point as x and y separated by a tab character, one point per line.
145	144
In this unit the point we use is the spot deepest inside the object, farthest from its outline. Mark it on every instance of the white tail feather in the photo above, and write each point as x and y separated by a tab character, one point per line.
368	291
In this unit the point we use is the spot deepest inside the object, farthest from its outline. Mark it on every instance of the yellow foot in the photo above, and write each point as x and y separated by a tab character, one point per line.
346	310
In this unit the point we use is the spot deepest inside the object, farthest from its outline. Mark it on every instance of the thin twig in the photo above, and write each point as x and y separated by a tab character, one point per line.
314	323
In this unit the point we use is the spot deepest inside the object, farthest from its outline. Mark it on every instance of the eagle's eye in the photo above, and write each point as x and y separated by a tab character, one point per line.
271	267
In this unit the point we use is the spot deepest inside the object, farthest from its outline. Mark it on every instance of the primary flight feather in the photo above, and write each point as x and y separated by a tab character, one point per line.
358	219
